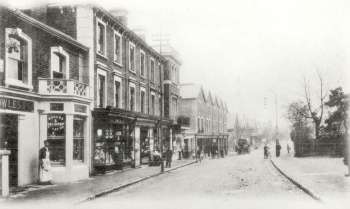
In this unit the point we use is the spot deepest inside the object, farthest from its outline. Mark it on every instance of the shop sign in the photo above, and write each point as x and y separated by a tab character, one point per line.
16	104
80	108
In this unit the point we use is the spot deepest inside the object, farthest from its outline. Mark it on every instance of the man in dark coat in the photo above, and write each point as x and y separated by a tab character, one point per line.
278	148
169	156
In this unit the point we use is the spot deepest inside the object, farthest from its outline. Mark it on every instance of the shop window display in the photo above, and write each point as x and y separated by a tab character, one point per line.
113	148
56	138
78	138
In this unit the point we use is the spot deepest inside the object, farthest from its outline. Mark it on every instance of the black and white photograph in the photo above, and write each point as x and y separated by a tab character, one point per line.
174	104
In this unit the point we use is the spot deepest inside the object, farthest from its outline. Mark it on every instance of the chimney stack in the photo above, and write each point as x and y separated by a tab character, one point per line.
121	15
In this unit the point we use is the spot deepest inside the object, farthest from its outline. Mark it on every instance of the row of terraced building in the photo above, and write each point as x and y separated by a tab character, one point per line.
104	99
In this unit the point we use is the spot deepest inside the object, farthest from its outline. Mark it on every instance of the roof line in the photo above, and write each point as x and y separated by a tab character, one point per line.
47	28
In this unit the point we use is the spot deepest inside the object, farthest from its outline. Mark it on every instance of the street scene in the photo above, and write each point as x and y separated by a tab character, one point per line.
174	104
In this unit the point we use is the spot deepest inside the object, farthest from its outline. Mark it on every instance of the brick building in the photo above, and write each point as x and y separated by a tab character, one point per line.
127	75
208	120
44	95
172	97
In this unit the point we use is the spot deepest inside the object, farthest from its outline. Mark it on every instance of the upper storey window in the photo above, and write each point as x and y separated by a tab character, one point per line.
18	58
143	63
59	63
117	48
101	38
132	57
152	70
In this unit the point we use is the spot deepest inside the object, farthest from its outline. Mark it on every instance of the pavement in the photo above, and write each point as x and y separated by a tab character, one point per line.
79	191
323	177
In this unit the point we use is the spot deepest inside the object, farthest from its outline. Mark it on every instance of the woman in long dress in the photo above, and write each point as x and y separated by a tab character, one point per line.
45	165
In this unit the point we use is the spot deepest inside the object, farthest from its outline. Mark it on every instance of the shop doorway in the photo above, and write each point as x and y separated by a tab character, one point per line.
9	141
145	146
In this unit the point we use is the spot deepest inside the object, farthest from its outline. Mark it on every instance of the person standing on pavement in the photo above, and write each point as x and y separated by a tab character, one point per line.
288	148
45	165
169	155
278	148
266	151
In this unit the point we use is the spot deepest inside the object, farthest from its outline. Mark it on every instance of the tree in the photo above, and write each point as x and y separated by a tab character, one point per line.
315	113
337	121
338	118
297	114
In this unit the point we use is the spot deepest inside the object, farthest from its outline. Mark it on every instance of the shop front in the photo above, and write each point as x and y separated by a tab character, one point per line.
19	135
113	141
65	125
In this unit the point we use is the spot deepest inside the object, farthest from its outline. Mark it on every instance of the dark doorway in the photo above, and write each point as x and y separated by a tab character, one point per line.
9	141
145	146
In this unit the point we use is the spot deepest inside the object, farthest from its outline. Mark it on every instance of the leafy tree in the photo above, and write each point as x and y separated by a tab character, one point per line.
337	120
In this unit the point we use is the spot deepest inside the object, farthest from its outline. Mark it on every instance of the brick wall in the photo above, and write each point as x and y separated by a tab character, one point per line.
41	46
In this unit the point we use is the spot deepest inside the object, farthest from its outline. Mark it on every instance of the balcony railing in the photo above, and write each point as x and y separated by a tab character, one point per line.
63	87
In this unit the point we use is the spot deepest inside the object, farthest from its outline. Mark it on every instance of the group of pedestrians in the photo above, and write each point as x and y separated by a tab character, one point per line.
278	148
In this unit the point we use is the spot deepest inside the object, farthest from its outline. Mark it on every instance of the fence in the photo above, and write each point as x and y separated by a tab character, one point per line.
318	149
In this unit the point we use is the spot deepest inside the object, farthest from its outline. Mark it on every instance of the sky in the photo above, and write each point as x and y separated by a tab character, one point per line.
246	50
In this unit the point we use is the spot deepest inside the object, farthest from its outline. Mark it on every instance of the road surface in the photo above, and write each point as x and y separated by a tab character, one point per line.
237	181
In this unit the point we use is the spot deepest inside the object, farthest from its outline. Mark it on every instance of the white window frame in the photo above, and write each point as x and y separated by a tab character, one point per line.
132	45
99	21
103	73
144	64
150	69
120	48
153	112
62	52
132	85
118	79
142	89
28	40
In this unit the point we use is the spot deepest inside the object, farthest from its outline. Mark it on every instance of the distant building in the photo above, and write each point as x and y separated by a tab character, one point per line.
208	120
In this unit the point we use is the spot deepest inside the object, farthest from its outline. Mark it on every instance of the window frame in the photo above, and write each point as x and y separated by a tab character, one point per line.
27	84
117	79
143	105
153	103
143	75
62	52
120	48
103	73
152	74
132	85
99	21
134	61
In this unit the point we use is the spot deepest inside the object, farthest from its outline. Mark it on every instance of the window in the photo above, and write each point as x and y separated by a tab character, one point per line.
56	127
199	125
101	38
132	98
143	102
153	100
142	63
117	48
59	63
78	138
131	57
152	70
117	94
101	89
18	58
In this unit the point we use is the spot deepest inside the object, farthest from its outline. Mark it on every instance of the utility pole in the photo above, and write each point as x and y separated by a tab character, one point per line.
160	39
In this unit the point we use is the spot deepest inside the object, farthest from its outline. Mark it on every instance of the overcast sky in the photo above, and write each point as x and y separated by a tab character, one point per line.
245	50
